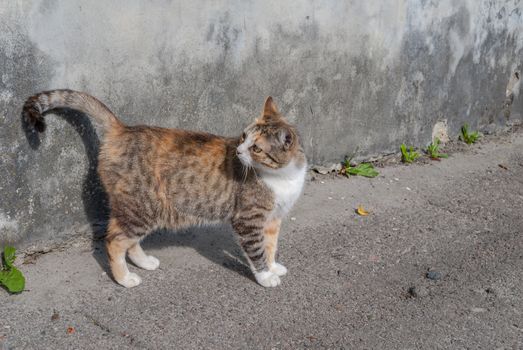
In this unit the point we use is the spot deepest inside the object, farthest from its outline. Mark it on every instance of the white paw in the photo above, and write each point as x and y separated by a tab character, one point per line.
278	269
150	263
130	280
267	279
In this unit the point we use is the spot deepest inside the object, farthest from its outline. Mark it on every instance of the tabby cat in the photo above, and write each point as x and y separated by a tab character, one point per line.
171	178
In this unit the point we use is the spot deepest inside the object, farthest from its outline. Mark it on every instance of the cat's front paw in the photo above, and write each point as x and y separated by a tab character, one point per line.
146	262
278	269
130	280
267	279
149	263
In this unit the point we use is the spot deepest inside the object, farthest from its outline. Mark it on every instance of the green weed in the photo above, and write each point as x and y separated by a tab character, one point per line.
408	155
433	150
362	169
10	277
467	136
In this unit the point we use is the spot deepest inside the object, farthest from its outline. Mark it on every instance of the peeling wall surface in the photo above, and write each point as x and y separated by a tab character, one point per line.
368	74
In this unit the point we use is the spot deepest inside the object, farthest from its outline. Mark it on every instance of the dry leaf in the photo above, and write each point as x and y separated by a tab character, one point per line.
70	330
361	211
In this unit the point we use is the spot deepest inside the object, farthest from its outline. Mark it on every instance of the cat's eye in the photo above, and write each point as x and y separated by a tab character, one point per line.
256	149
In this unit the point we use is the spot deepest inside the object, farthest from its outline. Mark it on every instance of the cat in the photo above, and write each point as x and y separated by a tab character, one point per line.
171	178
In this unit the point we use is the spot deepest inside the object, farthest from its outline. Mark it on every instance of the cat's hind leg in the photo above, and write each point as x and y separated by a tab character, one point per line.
118	243
140	259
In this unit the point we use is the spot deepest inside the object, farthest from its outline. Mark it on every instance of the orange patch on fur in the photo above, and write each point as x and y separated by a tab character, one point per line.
273	227
117	246
271	232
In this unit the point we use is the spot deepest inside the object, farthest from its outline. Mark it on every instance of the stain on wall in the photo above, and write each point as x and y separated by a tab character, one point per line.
350	74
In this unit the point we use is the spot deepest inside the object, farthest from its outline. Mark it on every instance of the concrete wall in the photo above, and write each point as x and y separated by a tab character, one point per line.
370	73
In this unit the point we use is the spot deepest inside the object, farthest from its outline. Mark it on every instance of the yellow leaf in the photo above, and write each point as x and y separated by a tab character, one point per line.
362	211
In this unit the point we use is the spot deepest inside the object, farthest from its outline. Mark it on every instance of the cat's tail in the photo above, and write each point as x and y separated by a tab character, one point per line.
36	106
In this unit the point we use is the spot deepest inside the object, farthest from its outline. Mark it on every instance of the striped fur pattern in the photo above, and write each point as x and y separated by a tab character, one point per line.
170	178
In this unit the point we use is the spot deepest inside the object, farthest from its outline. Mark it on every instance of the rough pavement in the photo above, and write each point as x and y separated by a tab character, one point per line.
349	276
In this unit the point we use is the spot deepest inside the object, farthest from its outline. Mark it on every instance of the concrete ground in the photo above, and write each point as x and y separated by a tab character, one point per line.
460	219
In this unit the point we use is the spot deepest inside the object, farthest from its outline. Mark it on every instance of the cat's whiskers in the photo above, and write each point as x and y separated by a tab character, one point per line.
255	173
245	172
246	168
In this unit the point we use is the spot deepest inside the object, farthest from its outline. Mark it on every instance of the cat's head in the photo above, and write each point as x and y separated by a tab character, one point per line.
270	143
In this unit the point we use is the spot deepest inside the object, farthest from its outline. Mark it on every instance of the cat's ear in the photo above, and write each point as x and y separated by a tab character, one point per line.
286	137
269	108
270	112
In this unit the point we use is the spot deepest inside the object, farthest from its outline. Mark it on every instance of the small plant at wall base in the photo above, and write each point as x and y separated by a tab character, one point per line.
467	136
433	150
10	277
362	169
408	155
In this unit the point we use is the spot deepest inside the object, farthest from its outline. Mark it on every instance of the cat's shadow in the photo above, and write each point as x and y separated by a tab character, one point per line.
216	243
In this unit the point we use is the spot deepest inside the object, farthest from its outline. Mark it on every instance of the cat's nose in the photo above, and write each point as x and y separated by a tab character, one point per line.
238	152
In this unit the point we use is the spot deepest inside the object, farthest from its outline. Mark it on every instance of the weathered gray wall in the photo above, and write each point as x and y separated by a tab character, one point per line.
370	73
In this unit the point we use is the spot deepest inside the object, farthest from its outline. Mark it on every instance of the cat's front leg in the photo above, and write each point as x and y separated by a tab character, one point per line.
253	241
140	259
271	232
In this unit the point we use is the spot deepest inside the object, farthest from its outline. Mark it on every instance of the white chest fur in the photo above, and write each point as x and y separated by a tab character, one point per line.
286	184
